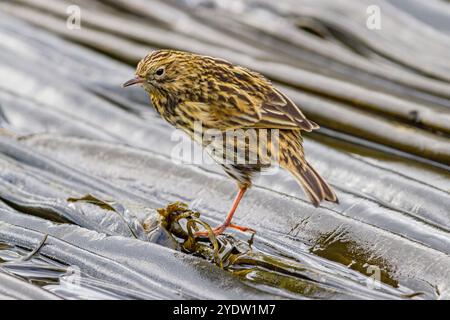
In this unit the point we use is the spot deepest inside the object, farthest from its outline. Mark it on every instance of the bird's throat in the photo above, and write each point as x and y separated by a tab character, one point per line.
165	105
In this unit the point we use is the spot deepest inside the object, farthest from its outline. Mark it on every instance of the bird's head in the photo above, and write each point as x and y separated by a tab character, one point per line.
166	72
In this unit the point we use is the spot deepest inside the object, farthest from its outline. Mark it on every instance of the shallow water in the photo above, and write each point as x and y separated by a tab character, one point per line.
86	162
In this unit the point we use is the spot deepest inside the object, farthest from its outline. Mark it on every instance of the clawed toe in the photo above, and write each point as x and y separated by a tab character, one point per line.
241	228
219	230
227	224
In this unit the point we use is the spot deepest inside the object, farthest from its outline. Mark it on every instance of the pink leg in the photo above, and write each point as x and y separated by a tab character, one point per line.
227	223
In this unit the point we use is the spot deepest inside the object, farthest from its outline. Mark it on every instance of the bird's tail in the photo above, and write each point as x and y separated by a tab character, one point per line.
313	184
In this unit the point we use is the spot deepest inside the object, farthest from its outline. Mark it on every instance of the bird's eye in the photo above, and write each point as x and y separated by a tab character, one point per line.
159	72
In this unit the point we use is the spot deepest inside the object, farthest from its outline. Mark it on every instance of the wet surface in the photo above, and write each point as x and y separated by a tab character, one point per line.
84	164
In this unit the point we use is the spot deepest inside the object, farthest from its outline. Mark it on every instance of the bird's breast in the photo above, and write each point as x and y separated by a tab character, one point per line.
166	106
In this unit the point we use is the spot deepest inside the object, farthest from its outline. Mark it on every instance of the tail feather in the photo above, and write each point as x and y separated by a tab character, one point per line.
313	184
328	192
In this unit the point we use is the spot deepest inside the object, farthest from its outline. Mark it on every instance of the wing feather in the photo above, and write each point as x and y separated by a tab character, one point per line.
247	100
281	112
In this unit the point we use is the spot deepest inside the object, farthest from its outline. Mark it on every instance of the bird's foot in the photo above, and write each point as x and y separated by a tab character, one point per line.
220	229
241	228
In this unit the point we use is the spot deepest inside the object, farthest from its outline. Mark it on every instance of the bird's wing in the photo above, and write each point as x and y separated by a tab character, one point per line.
278	111
236	109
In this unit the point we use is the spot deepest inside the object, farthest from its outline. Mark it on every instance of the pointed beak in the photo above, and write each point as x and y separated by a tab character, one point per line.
133	81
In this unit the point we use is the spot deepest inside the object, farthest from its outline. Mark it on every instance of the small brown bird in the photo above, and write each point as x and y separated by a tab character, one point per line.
186	88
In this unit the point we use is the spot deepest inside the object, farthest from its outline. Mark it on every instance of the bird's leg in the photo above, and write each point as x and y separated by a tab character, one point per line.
227	223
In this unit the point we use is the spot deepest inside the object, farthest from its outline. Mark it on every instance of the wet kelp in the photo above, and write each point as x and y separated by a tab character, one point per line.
290	245
287	278
85	165
242	260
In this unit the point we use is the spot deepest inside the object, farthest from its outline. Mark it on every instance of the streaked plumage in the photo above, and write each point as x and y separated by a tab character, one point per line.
186	87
